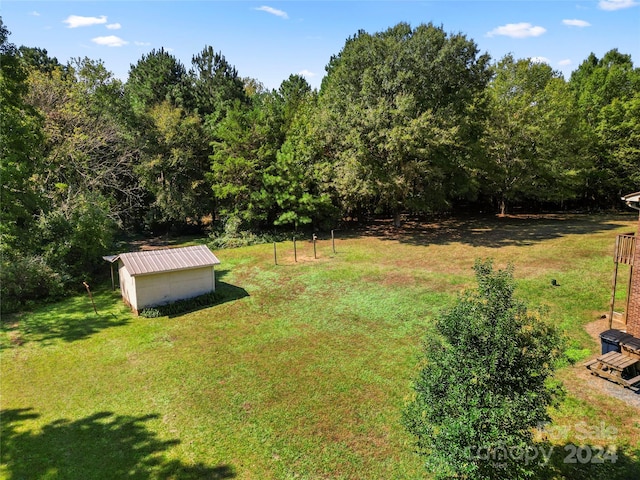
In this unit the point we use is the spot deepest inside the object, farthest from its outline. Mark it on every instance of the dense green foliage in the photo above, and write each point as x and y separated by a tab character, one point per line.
402	115
408	120
607	92
21	148
531	146
484	384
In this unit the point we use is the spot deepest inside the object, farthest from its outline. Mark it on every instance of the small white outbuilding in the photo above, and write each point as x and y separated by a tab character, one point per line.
159	277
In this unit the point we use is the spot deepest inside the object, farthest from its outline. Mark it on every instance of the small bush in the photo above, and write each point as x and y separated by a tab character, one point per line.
233	236
150	313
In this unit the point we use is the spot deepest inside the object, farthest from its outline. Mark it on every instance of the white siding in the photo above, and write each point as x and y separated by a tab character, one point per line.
166	287
127	286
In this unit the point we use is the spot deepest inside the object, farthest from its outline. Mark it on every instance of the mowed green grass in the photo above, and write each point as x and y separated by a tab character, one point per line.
303	371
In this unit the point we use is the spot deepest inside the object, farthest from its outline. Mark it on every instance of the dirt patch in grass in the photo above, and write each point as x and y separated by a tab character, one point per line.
391	278
580	375
595	328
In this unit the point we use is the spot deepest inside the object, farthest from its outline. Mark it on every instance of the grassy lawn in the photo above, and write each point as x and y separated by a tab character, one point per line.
304	369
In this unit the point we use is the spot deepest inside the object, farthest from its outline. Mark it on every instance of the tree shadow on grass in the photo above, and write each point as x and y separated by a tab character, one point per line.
489	231
227	291
100	446
588	462
68	320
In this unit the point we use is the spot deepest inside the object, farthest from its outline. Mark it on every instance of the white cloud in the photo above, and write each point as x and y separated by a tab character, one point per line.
34	14
114	26
540	60
273	11
307	73
75	21
565	62
142	44
110	41
617	4
576	23
517	30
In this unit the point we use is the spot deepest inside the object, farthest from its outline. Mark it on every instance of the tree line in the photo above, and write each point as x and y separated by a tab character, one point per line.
408	120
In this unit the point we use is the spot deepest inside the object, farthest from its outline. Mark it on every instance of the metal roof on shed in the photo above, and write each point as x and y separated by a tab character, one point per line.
168	260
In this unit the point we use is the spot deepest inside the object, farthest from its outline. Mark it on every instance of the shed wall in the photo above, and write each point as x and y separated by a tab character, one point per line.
166	287
127	286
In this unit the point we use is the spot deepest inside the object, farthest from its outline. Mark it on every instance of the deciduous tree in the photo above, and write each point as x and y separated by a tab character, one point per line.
174	165
21	149
606	91
532	141
88	149
402	111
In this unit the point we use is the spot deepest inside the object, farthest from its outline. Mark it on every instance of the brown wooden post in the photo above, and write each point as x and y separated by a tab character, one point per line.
295	250
113	282
91	297
613	295
626	308
275	254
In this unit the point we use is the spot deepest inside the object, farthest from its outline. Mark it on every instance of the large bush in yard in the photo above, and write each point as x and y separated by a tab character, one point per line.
484	385
24	279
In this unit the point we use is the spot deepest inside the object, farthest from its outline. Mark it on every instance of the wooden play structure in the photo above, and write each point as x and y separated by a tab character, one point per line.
620	357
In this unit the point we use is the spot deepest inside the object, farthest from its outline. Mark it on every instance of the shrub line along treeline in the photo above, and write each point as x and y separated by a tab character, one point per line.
408	120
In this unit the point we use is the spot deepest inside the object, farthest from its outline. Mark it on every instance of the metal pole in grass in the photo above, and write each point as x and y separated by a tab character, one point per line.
295	250
275	254
314	246
333	242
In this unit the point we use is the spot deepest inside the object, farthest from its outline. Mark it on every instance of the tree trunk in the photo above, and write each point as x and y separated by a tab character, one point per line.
503	207
397	219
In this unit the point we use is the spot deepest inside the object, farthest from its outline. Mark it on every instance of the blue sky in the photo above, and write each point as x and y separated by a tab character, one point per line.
269	40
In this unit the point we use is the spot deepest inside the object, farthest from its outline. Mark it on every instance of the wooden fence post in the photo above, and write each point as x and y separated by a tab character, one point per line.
613	295
91	297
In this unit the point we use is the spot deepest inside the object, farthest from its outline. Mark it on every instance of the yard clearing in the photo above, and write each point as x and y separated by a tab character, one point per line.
303	370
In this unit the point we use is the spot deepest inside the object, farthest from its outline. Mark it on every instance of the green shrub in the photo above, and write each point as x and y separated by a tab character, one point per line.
76	235
25	279
232	235
150	313
485	384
